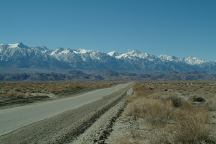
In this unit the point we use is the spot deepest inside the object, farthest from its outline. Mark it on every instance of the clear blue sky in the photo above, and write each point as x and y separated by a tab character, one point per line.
174	27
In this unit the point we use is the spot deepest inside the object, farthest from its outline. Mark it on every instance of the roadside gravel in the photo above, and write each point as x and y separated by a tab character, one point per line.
100	130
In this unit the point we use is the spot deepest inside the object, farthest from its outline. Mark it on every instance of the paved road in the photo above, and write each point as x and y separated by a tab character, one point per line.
14	118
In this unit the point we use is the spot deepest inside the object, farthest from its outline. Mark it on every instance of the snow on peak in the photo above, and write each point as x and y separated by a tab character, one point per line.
83	51
60	51
113	53
65	51
135	54
189	60
17	45
194	60
169	58
13	45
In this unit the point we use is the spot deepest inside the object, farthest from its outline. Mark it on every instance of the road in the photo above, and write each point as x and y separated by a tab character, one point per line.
17	117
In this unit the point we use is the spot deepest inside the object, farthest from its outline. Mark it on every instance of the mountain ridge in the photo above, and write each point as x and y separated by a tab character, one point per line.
19	55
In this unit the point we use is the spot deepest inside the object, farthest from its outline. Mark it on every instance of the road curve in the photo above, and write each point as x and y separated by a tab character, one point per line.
17	117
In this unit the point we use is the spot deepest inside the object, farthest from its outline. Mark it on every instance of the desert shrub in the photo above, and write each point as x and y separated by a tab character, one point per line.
198	99
177	101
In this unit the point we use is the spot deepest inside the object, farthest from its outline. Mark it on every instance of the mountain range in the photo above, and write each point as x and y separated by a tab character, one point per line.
20	56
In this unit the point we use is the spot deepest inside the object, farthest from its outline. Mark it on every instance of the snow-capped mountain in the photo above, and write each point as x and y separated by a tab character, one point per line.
20	55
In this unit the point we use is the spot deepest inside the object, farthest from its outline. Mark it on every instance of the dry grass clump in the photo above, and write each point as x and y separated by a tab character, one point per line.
140	91
122	140
154	111
161	136
191	125
177	101
212	104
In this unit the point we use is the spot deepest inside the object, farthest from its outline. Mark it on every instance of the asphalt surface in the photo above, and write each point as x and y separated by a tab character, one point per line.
17	117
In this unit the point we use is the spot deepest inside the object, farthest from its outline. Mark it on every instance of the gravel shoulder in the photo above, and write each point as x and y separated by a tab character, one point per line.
101	129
